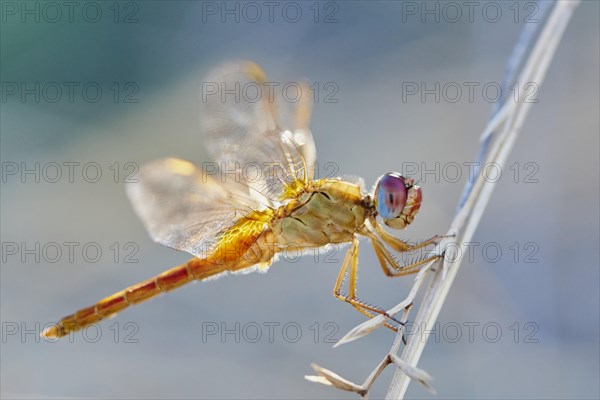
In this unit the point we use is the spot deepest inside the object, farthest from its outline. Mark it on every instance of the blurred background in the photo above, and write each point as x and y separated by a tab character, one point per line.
92	90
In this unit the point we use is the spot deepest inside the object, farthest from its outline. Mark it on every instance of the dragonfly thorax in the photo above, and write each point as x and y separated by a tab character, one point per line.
333	211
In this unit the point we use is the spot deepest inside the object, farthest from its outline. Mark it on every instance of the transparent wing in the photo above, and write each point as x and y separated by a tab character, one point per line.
183	208
244	134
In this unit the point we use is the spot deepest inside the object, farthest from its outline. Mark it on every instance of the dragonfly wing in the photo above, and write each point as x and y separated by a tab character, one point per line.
183	208
243	133
298	118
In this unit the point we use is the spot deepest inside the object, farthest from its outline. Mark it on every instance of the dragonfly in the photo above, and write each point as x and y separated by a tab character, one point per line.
259	198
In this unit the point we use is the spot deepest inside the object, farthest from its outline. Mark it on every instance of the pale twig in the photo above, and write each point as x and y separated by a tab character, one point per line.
330	378
533	71
496	142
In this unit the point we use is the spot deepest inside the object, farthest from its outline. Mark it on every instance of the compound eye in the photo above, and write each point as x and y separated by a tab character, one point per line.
390	195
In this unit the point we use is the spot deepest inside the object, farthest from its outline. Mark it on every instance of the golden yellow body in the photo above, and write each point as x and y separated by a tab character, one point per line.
330	211
232	226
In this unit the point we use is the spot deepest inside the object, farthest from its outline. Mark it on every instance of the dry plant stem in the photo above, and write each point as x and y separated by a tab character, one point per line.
330	378
496	142
515	60
470	214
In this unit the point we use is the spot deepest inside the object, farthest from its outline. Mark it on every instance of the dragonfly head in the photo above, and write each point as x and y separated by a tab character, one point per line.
397	200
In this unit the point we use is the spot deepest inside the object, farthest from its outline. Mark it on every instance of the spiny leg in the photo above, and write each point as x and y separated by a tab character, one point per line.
351	260
386	259
388	262
400	245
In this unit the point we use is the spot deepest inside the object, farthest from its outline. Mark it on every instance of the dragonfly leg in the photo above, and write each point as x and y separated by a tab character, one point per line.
390	266
351	263
400	245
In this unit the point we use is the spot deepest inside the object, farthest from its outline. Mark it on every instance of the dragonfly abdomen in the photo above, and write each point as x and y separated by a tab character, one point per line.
246	244
194	269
